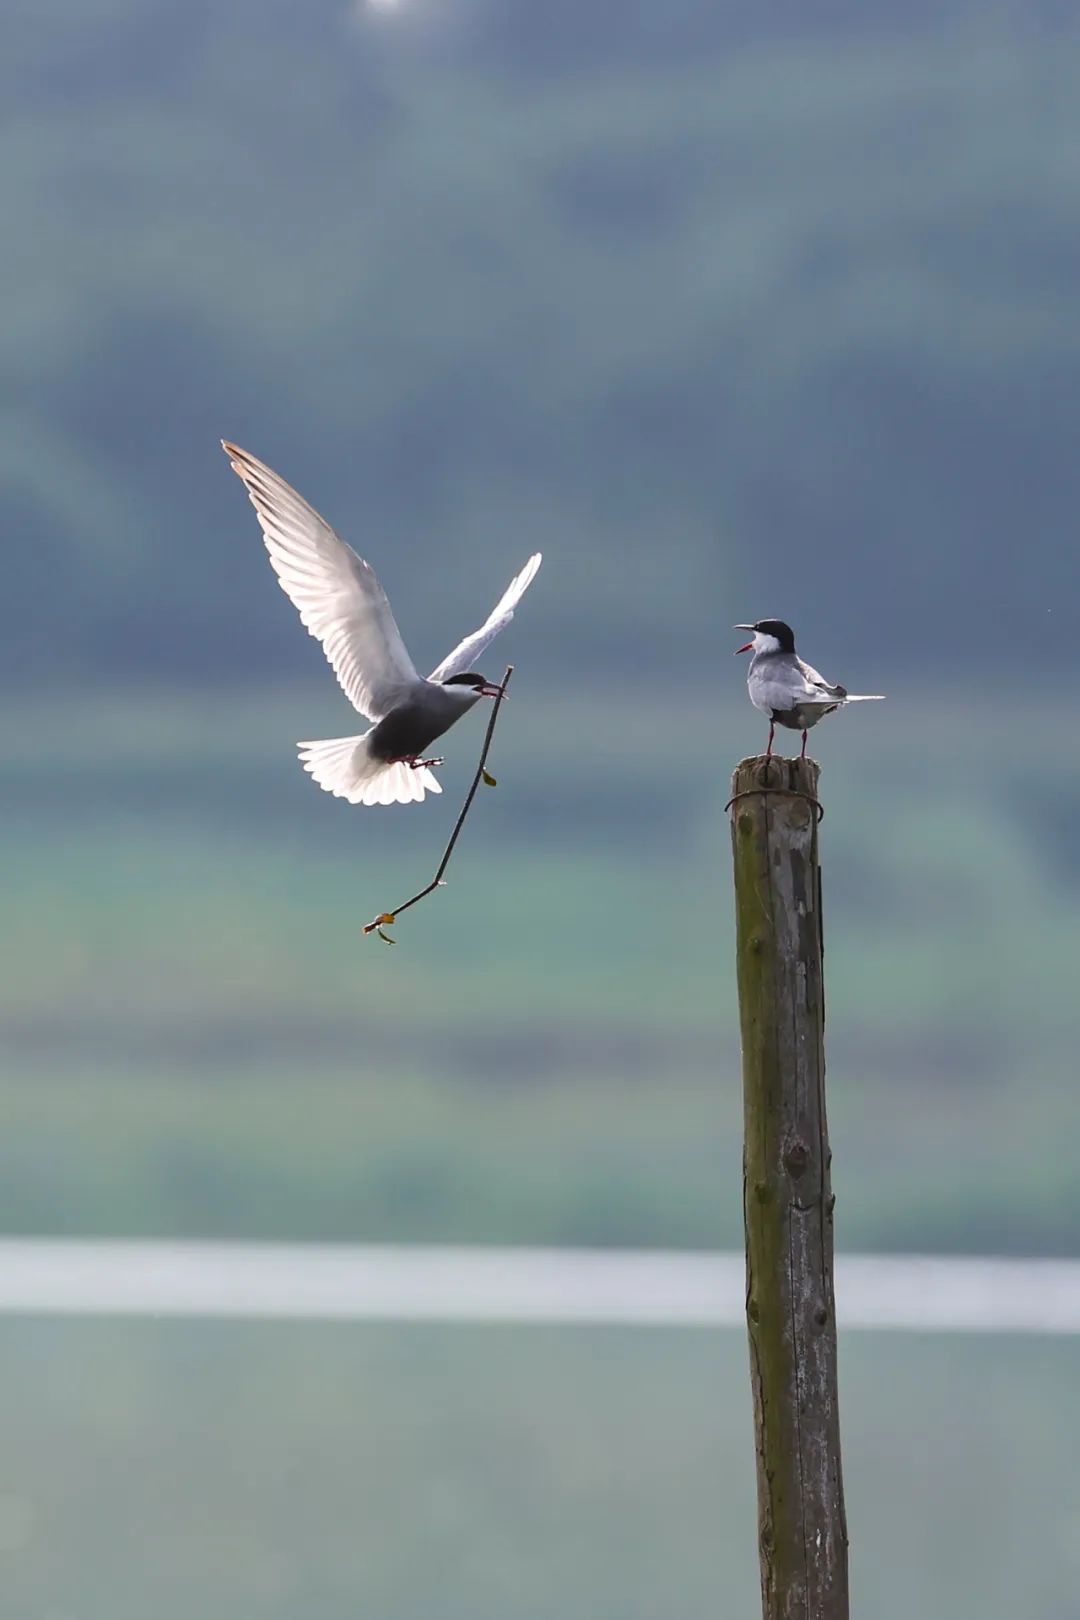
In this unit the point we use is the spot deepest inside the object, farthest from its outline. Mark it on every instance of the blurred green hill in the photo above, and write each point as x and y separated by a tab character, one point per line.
731	312
197	1040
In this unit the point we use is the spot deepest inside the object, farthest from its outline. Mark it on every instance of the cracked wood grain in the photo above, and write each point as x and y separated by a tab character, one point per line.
787	1195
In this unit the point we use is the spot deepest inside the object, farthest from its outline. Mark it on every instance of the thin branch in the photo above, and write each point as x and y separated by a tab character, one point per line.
386	917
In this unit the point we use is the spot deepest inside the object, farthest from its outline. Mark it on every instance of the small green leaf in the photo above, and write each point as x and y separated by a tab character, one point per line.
488	778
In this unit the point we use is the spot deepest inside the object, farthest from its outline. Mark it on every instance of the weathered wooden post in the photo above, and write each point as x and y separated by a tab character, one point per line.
787	1199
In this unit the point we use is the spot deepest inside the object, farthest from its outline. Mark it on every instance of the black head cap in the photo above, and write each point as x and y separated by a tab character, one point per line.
465	680
784	634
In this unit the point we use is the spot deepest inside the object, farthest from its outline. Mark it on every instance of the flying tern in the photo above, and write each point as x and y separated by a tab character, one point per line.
789	691
344	607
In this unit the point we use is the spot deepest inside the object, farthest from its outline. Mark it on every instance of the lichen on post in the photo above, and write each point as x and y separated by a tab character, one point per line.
787	1197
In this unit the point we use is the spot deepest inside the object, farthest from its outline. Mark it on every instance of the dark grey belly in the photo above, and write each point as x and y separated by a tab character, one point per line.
803	719
406	731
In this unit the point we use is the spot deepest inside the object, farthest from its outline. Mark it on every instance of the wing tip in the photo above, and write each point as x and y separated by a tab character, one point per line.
239	460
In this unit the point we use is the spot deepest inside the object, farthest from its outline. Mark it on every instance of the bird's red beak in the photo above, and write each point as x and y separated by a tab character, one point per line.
748	648
489	689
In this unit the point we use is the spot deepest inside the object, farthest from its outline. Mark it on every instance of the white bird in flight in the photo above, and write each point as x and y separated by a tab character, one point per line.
345	608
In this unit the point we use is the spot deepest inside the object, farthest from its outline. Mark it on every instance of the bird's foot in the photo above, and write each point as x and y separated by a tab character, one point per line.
421	764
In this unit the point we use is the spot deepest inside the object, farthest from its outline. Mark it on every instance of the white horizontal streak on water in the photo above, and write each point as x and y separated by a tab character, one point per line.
341	1283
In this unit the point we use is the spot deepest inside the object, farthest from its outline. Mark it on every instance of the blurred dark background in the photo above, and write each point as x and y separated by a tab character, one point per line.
734	309
731	311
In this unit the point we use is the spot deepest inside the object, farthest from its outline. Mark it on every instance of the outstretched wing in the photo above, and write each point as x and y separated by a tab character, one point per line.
335	591
466	653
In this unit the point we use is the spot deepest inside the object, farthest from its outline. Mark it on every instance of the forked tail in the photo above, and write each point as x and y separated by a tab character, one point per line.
342	766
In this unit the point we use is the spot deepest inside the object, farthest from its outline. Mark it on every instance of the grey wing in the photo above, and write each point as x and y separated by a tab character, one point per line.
335	592
818	688
466	652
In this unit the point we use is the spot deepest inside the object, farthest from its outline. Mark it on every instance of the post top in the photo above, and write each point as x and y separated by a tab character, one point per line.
759	770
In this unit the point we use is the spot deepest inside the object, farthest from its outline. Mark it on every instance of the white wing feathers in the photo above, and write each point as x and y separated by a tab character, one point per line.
335	592
466	653
819	690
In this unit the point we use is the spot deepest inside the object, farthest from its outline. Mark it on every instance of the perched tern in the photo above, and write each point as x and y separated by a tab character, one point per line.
345	608
785	688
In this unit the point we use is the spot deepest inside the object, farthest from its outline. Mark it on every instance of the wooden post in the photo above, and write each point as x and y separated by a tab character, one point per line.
787	1200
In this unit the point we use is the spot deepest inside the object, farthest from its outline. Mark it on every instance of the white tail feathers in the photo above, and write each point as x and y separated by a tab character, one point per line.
865	697
342	766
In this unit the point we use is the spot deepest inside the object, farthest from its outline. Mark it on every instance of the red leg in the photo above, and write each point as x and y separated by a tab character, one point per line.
772	728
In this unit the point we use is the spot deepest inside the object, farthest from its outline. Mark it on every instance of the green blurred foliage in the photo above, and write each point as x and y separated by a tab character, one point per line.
777	317
198	1039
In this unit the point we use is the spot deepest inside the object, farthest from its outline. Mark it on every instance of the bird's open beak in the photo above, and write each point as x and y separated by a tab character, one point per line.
489	689
749	644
